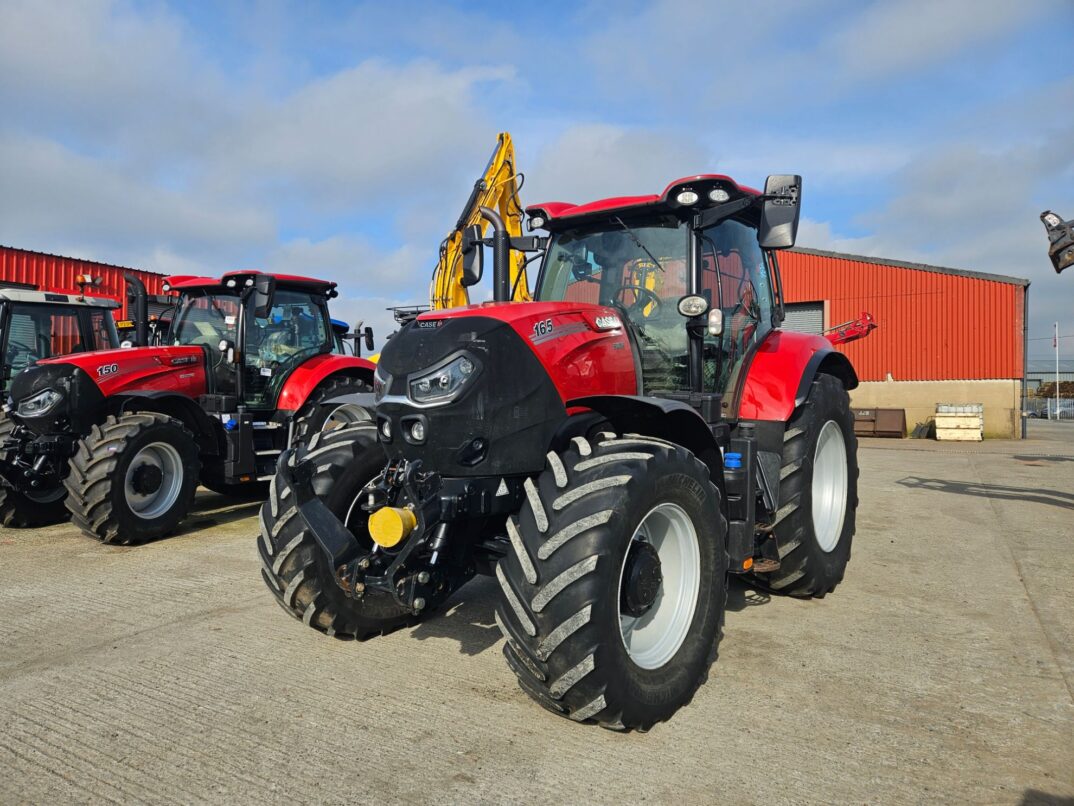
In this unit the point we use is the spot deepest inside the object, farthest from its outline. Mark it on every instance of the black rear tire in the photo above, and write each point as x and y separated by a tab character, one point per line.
806	567
292	564
98	489
560	607
314	417
19	510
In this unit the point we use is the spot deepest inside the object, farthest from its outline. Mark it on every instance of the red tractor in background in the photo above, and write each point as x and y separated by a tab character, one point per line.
609	451
124	436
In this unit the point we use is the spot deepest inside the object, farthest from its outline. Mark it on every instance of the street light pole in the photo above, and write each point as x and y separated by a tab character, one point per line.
1055	341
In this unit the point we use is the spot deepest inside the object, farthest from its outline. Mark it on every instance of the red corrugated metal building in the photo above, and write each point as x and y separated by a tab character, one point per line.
44	272
935	324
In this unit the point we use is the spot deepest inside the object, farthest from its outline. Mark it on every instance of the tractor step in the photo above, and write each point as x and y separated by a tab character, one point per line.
764	566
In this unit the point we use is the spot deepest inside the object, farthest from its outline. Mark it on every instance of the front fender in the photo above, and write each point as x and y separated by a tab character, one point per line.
670	420
306	377
782	370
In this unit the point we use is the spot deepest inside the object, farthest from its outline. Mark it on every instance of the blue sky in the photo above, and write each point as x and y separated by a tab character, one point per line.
340	139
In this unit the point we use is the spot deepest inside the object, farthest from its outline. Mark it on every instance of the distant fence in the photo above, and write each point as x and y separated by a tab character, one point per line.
1047	408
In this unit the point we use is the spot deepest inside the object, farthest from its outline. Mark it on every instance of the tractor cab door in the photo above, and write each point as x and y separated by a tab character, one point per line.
735	278
296	329
642	272
205	320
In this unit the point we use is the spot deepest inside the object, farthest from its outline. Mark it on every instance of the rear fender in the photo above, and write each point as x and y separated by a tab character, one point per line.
305	378
670	420
207	431
782	370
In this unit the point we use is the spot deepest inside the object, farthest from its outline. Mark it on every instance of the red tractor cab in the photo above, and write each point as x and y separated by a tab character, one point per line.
124	436
609	451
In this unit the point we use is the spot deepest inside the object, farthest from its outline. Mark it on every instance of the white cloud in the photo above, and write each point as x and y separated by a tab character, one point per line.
899	36
360	135
592	161
55	199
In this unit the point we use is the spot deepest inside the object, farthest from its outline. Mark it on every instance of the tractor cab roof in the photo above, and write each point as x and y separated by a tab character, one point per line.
55	298
673	199
242	278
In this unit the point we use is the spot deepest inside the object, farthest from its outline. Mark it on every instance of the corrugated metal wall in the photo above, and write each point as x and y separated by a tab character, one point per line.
932	326
53	273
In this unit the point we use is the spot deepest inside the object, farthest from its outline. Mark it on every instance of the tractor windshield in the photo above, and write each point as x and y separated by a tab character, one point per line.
206	319
638	268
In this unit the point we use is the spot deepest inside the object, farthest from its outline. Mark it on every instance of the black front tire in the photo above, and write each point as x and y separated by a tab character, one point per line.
807	568
292	564
97	488
314	417
561	604
19	510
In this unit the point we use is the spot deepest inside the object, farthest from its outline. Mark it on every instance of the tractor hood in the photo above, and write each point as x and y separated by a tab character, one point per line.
68	393
149	369
482	390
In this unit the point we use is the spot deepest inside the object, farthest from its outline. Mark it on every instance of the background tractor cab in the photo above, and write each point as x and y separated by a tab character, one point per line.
248	365
609	450
35	325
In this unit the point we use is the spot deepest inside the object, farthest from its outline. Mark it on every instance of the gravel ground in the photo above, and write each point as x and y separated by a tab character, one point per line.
941	670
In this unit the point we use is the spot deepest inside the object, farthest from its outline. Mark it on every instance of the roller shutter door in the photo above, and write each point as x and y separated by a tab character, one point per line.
805	317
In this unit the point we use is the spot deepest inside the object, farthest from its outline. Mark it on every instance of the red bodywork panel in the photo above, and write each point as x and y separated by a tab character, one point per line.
304	378
775	374
581	357
143	369
557	210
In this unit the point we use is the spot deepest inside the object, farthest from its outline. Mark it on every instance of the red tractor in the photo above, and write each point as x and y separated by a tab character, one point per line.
609	451
124	436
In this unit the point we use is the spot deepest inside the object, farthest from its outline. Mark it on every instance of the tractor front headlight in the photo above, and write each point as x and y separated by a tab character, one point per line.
41	403
443	384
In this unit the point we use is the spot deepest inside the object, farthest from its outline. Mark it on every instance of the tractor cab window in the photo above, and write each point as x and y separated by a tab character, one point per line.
295	329
640	271
102	330
43	331
205	319
735	278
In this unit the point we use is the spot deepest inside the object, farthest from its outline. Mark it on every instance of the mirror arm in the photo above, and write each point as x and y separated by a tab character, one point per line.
707	218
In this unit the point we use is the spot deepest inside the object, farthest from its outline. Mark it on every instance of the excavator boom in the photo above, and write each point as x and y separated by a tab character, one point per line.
497	189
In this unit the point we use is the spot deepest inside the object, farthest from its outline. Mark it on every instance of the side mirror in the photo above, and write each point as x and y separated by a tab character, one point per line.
264	291
782	208
473	256
368	335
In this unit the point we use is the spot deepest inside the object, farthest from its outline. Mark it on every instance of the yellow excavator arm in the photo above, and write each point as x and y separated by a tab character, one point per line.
497	190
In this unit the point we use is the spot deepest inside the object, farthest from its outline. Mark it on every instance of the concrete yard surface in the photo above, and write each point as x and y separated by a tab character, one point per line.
942	669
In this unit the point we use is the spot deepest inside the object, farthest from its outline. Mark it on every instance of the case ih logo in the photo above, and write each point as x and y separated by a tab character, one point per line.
105	370
608	322
424	324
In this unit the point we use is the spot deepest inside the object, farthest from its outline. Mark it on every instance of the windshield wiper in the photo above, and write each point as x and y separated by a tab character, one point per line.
637	242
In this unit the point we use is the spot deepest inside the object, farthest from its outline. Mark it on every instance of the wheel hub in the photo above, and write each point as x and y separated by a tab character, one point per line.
147	479
642	578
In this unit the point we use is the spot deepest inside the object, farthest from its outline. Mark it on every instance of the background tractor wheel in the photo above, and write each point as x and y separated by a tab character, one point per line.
293	565
818	494
614	595
314	417
29	509
133	478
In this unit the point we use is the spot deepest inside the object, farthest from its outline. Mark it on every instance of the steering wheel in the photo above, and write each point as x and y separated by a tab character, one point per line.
26	348
643	298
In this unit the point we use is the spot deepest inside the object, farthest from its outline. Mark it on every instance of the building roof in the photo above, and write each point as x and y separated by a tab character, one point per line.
904	264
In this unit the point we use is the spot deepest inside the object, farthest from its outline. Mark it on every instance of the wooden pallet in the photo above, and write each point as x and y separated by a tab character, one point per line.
960	427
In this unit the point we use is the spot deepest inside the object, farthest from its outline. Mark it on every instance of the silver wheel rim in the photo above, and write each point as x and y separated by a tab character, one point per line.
347	414
829	494
166	459
651	640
